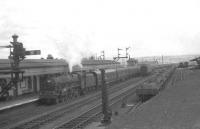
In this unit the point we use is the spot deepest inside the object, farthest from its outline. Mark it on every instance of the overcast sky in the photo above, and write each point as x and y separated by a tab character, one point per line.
74	28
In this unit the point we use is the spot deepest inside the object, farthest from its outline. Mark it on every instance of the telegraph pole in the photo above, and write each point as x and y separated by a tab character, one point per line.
105	109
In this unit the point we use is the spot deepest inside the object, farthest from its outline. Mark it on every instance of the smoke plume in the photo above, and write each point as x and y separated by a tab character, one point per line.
73	49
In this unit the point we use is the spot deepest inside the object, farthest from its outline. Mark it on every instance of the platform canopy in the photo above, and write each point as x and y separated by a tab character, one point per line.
31	67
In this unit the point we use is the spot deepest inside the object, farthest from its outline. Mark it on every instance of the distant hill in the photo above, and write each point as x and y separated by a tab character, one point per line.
168	59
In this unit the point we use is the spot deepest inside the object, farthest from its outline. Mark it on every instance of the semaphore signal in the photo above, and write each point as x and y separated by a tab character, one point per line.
17	54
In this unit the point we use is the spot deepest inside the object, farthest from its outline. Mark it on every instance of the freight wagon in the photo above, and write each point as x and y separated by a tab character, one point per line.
152	87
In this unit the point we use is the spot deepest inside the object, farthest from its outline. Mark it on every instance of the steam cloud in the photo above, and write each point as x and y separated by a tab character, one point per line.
73	49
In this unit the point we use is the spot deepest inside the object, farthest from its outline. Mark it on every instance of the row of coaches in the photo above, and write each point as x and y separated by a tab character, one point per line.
61	88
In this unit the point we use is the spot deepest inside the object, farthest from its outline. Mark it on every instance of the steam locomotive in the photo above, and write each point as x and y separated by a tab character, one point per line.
60	88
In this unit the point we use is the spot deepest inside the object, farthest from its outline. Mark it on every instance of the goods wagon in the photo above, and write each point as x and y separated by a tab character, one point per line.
155	84
147	90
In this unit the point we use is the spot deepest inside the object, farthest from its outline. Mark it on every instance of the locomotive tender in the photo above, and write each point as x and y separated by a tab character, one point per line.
61	88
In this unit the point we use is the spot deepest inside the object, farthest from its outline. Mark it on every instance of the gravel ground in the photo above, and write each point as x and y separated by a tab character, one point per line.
177	107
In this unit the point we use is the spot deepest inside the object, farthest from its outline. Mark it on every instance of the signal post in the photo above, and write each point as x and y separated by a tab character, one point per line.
17	54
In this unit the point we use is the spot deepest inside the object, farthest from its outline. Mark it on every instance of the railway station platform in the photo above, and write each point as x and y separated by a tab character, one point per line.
176	107
19	101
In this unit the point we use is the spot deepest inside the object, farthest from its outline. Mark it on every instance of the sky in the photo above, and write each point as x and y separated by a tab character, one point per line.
72	29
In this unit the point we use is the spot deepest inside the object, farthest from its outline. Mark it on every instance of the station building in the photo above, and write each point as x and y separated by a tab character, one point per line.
35	70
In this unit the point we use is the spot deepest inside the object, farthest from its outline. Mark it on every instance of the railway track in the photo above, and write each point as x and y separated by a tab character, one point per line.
85	118
80	121
117	94
52	116
22	115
